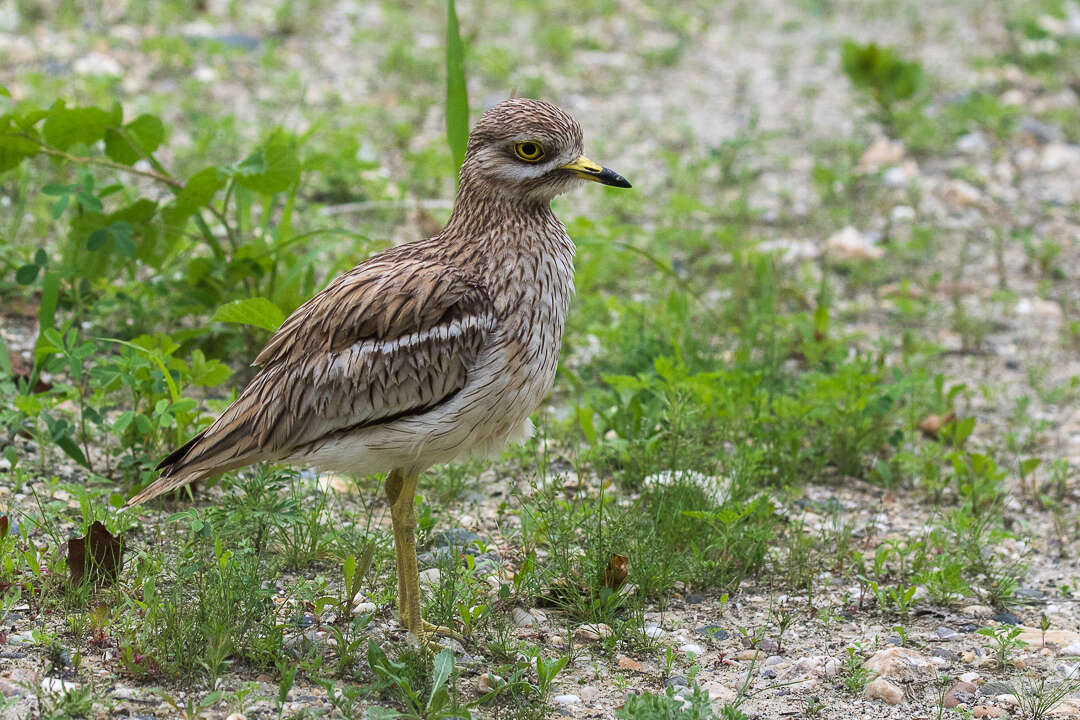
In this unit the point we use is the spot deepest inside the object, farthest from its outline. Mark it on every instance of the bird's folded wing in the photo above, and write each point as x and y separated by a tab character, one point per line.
388	339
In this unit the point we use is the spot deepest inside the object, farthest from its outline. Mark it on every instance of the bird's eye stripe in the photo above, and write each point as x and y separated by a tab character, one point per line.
529	151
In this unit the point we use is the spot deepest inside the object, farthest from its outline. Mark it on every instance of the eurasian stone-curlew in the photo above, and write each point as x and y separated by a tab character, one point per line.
427	351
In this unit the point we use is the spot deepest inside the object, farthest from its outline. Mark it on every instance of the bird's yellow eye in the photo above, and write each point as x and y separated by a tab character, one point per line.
529	151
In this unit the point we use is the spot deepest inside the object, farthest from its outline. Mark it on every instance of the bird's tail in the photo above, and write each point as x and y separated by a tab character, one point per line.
199	458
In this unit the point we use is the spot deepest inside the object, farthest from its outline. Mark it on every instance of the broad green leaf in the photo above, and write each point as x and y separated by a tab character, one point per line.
198	191
257	311
72	450
137	139
457	98
50	298
444	664
208	373
200	188
14	148
27	274
4	91
274	166
66	126
123	421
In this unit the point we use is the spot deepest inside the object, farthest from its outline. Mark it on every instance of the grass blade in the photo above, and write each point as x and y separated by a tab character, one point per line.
457	98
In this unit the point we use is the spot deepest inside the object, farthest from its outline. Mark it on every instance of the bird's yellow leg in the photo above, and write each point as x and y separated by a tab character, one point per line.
394	486
401	492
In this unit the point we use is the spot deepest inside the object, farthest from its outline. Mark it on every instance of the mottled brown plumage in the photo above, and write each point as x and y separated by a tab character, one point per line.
427	351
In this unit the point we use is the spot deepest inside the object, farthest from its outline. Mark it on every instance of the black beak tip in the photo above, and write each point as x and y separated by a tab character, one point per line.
614	179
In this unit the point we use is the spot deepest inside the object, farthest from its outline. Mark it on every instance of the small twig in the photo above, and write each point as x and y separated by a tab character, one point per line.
55	152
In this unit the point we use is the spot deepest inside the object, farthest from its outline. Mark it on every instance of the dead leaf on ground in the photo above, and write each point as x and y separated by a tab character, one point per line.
3	526
97	557
23	370
616	572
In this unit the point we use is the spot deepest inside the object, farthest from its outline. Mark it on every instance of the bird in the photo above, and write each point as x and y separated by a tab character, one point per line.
432	350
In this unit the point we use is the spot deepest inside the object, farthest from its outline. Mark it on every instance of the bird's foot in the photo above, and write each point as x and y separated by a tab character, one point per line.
433	637
431	630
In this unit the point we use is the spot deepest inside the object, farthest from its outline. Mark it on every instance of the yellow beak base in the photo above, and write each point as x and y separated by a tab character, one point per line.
583	167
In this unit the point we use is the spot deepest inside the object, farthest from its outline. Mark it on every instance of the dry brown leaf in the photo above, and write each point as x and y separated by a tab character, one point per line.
3	526
616	572
97	557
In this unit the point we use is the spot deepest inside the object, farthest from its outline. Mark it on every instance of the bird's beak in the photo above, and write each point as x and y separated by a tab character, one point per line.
586	168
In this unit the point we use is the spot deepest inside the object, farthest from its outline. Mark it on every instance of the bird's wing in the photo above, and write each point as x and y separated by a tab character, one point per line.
394	336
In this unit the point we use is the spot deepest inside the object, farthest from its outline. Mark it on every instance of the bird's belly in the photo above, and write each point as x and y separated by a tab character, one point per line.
507	383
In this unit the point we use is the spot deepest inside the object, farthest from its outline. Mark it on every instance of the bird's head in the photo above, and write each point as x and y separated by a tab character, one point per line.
531	150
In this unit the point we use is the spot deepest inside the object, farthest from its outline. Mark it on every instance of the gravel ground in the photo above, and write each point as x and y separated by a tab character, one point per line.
748	61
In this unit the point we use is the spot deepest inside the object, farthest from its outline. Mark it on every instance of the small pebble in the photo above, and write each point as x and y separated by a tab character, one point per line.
713	631
568	699
882	689
720	693
593	632
676	681
947	633
1006	618
654	632
487	683
56	685
961	692
454	537
691	648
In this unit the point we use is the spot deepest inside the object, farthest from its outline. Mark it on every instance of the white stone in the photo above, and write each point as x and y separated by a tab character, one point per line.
1072	650
654	632
56	685
566	699
972	144
364	608
720	693
205	74
94	63
1060	156
850	244
902	175
588	693
430	578
899	663
691	648
902	214
817	666
523	618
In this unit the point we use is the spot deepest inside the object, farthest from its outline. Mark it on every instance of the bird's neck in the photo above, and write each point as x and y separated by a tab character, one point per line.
480	210
513	244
